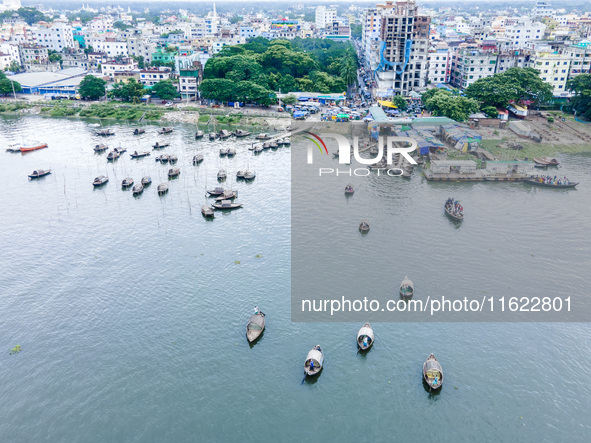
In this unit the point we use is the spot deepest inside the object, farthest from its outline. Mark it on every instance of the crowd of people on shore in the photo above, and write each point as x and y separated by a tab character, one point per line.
454	207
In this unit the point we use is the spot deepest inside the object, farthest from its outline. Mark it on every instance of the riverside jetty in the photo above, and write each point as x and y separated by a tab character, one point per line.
465	170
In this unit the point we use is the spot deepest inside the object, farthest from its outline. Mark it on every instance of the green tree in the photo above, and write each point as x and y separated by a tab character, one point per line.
165	90
581	86
141	64
6	85
445	103
92	87
356	31
235	19
54	56
491	111
88	49
130	91
219	89
513	85
400	102
32	15
120	25
289	99
348	70
14	66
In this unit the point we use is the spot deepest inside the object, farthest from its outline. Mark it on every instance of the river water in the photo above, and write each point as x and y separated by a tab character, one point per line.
130	312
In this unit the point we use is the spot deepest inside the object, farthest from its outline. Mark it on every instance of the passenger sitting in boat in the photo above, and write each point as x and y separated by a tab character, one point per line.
311	365
435	381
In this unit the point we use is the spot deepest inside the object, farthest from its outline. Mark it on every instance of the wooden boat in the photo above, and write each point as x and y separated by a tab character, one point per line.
165	131
198	158
457	216
241	133
267	145
217	191
536	182
224	134
227	195
146	181
105	133
314	361
40	173
263	136
226	204
199	134
100	148
138	131
162	188
223	152
407	288
207	211
120	150
33	147
255	325
222	174
349	190
212	136
258	149
172	159
364	226
249	175
113	155
139	154
100	180
432	372
540	166
273	145
160	145
16	148
284	141
365	337
137	189
127	182
174	172
240	174
231	152
163	158
546	161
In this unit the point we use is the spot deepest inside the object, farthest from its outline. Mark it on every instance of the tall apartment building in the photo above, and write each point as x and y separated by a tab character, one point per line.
553	68
403	50
580	56
469	65
524	32
55	36
325	17
439	62
370	34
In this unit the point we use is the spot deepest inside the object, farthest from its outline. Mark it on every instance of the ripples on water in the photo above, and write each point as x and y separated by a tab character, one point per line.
131	311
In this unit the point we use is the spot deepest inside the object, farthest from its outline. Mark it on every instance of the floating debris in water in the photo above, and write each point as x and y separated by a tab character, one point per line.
15	350
258	256
455	387
236	262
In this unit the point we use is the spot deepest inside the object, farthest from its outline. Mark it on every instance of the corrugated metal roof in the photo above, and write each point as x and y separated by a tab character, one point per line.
36	79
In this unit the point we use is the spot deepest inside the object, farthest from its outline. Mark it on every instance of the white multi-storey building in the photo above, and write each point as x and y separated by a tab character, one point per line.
113	67
111	48
150	77
11	51
55	36
580	55
439	66
471	65
553	68
325	17
523	32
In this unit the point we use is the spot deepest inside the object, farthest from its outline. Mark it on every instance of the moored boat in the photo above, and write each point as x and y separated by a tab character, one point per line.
273	144
255	325
138	131
105	132
100	148
139	154
407	288
146	181
217	191
100	180
240	174
113	155
137	189
40	173
212	136
127	182
364	226
546	161
231	152
162	188
160	145
314	361
199	134
224	134
174	172
165	130
266	145
223	152
349	190
227	195
163	158
258	149
33	147
549	182
241	133
172	159
263	136
249	175
432	372
197	158
222	175
365	337
226	204
207	211
454	209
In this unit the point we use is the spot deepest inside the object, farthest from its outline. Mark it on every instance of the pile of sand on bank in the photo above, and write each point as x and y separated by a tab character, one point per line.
181	117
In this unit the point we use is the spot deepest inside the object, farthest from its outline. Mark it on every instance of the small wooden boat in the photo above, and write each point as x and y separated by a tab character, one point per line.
249	175
172	159
198	158
452	212
160	145
174	172
546	161
212	136
207	211
258	149
231	152
365	337
100	148
16	148
364	226
349	190
224	134
255	325
267	145
100	180
120	150
539	182
113	155
273	145
138	131
139	154
146	181
226	204
240	174
252	147
39	173
127	182
199	134
227	195
223	152
314	361
105	133
163	158
407	288
217	191
222	174
284	141
162	188
263	136
137	189
33	147
241	133
432	372
165	131
540	166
